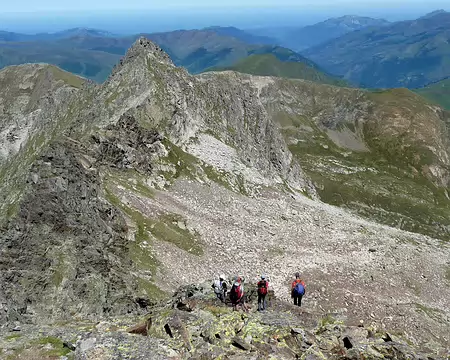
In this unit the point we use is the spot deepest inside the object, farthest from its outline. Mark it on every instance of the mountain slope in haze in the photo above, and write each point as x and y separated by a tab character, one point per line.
270	65
74	32
438	92
93	64
404	54
144	177
327	30
300	38
11	36
433	13
242	35
65	34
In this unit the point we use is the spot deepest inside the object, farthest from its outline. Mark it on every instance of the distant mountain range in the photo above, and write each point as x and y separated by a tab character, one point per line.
300	38
244	36
357	50
403	54
11	36
322	32
93	54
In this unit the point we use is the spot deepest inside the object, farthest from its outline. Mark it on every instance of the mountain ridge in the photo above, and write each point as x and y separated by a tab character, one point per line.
242	35
166	170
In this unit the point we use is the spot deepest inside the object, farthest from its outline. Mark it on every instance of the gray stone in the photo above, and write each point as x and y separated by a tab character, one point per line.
87	344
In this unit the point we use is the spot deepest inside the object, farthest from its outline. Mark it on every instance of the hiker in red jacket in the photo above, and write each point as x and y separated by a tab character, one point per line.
298	290
237	296
263	288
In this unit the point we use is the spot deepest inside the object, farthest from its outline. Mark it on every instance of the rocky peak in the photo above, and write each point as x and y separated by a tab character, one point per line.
144	48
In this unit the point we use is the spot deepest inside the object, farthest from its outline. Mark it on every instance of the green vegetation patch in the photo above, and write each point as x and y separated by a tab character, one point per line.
13	337
218	177
186	165
168	227
432	313
139	250
68	78
275	251
172	228
271	65
58	348
327	320
217	310
131	180
438	93
152	291
59	270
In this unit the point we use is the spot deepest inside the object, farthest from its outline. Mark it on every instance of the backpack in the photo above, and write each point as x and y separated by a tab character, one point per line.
262	287
299	289
235	293
217	287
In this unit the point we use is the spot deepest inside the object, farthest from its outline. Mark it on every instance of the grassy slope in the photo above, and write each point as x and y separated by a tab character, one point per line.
270	65
369	185
438	92
379	184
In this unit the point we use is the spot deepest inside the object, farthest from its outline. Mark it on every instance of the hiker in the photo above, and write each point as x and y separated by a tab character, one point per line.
237	296
239	278
220	288
263	288
298	290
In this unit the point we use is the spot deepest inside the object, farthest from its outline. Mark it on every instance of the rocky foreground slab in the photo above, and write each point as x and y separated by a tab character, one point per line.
193	324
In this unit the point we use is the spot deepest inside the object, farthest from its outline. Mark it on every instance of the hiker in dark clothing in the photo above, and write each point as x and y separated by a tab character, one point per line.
298	290
263	288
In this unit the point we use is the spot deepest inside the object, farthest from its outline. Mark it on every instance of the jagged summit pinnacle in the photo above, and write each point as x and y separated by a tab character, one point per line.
143	47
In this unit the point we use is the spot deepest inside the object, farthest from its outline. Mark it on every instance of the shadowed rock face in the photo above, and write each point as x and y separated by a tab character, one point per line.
66	250
126	145
156	179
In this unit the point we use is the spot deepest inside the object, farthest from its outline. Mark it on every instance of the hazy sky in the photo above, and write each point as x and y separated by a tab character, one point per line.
134	16
92	5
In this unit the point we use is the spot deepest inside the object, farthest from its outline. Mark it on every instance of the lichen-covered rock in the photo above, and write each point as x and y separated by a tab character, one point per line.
213	330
